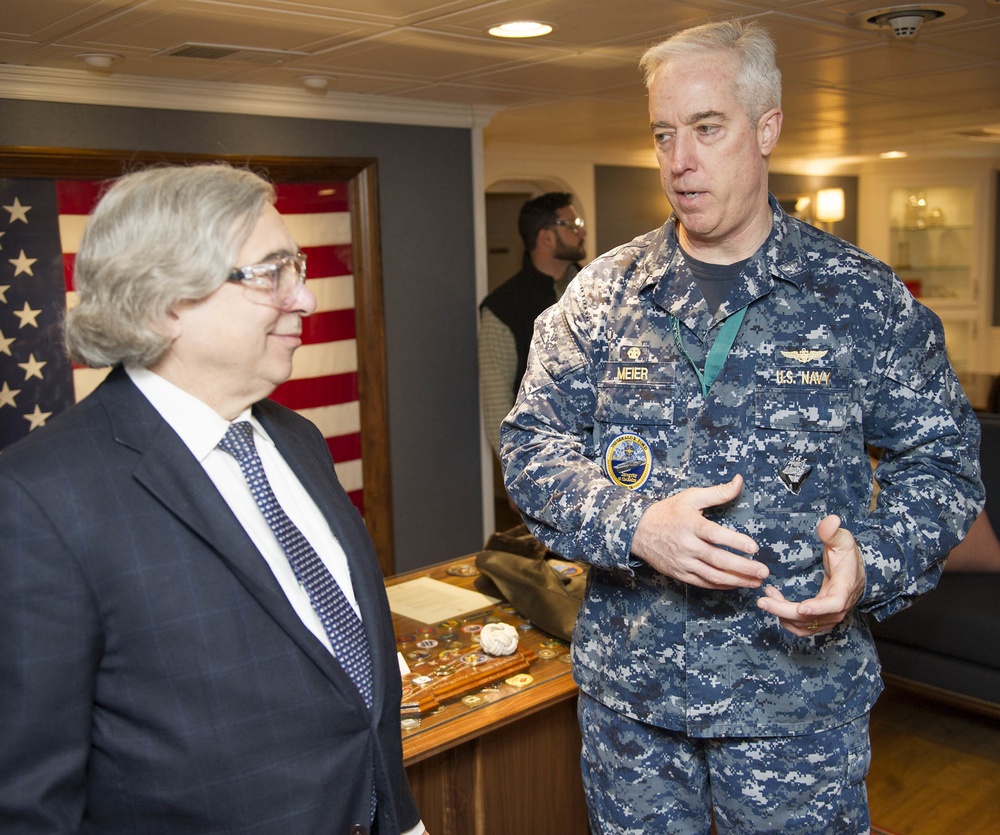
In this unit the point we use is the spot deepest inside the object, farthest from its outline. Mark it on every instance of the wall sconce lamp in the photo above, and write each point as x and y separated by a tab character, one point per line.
829	206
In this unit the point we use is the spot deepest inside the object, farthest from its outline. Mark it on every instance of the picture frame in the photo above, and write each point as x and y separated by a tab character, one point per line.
361	177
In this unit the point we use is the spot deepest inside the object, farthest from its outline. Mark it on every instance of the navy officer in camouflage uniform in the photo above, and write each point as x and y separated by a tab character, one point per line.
695	423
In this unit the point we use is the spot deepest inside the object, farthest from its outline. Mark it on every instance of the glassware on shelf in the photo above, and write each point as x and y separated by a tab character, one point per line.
916	210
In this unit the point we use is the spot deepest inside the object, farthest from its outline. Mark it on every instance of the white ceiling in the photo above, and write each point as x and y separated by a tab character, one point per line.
850	92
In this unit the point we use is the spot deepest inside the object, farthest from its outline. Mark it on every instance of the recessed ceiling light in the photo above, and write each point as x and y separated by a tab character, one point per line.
893	155
520	29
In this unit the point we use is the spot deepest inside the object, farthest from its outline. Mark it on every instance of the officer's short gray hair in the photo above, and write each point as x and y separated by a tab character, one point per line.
758	82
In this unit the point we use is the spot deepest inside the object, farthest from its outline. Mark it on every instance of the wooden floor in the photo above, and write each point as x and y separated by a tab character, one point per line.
935	768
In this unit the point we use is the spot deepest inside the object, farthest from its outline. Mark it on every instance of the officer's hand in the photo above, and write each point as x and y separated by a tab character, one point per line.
675	538
842	587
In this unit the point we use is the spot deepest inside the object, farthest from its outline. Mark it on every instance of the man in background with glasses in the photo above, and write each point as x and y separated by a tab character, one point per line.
554	239
196	637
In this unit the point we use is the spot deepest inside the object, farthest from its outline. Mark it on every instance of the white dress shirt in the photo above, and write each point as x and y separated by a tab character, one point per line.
201	428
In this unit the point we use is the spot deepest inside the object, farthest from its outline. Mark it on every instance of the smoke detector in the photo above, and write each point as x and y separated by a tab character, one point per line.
906	24
904	21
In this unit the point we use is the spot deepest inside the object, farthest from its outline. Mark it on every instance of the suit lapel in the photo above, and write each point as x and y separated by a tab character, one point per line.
314	468
166	468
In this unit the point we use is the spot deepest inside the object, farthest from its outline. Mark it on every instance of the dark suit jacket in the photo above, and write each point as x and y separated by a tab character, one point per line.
153	676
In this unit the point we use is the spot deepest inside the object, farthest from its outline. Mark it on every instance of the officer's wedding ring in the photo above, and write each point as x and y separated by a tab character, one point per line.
814	625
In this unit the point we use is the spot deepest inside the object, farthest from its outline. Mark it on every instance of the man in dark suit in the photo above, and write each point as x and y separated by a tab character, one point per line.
167	666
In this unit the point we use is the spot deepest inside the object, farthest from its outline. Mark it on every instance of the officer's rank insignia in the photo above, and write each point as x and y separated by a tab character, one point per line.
628	461
804	355
794	473
633	353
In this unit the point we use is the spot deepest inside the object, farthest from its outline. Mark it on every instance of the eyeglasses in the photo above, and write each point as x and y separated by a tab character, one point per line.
576	225
274	282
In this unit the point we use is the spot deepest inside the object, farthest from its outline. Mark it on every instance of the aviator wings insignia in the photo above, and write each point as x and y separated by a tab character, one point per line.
804	355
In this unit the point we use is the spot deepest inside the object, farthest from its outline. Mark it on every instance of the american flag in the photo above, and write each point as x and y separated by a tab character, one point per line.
41	222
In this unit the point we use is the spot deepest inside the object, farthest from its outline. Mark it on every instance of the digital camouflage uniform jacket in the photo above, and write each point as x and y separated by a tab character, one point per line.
833	355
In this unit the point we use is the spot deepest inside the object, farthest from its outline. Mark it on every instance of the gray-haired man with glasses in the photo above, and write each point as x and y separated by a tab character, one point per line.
197	637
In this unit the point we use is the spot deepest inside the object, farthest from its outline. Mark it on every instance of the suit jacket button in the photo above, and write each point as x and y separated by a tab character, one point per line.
357	829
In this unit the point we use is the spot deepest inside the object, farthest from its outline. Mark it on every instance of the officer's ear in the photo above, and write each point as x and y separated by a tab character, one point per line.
768	131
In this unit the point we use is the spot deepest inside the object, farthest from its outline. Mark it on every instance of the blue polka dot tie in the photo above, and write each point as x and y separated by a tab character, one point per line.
342	625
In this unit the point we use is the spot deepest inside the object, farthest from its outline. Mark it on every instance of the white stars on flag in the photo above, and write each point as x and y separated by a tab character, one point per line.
37	418
22	264
32	368
36	378
28	316
8	396
18	212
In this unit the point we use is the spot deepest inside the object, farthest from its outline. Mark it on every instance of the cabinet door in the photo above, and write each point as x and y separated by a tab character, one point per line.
932	244
934	225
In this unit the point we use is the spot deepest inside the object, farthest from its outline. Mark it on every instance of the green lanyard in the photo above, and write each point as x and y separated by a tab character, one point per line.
720	349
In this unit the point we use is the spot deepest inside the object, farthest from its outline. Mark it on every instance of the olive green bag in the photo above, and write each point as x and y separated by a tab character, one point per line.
543	587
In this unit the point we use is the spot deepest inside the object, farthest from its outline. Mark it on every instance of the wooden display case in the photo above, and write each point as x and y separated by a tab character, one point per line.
503	757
